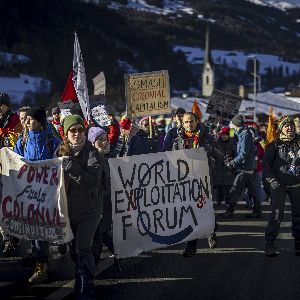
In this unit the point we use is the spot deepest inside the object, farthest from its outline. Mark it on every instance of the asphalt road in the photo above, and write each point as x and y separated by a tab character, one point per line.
236	269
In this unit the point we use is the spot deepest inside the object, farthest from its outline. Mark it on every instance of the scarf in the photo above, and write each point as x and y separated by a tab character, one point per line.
286	138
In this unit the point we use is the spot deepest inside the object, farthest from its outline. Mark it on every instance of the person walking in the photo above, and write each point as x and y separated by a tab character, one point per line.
281	169
243	165
38	144
82	165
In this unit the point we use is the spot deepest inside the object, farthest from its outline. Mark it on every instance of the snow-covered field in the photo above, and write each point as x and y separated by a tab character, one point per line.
238	59
281	4
16	87
178	7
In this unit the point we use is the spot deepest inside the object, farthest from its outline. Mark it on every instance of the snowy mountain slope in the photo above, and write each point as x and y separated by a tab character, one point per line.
281	4
237	59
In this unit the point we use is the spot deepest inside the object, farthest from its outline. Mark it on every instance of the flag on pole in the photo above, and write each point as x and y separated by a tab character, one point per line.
69	93
271	129
79	80
196	110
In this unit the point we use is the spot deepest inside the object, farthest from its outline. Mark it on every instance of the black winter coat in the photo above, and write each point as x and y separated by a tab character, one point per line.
278	159
83	176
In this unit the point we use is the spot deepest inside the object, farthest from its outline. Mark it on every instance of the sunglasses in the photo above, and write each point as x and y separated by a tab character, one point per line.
79	130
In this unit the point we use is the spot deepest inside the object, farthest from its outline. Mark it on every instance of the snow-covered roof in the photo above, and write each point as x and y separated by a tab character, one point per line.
279	102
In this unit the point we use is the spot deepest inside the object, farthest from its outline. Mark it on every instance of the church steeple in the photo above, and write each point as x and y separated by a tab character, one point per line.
208	72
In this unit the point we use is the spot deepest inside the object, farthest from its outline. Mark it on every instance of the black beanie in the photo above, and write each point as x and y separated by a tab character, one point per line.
39	114
238	121
4	99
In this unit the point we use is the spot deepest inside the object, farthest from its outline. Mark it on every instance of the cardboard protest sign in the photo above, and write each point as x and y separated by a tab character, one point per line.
147	93
65	112
33	199
223	106
160	200
99	84
99	114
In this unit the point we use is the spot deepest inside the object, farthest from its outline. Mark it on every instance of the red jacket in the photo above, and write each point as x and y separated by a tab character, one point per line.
113	133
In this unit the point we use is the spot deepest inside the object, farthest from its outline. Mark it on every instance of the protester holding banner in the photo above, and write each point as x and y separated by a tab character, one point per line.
38	144
243	165
281	168
193	134
83	166
121	147
10	125
142	142
173	131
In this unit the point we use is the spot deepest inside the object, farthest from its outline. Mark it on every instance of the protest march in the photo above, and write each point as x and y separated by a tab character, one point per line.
88	180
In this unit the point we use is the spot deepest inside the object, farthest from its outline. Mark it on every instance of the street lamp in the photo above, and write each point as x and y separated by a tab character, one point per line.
254	84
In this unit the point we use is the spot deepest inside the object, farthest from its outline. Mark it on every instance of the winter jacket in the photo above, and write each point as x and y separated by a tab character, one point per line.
278	161
37	145
203	138
245	150
142	144
170	138
113	133
221	174
83	183
259	155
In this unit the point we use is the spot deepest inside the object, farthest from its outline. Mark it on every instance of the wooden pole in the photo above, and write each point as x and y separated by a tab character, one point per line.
150	124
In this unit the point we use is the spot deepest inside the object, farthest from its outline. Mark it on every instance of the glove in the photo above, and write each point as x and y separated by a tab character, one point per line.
274	183
230	164
66	163
208	148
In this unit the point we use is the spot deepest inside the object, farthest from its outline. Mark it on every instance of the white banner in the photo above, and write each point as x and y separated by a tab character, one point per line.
79	80
160	200
33	199
65	112
99	84
99	114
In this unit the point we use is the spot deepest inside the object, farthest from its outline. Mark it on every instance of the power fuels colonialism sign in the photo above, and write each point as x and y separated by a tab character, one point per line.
147	93
160	200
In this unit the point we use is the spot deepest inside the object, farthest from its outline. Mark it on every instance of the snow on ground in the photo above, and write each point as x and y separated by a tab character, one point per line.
16	87
279	102
283	5
10	58
237	59
169	7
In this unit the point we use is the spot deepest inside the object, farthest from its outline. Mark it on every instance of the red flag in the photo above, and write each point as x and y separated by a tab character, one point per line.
196	110
69	93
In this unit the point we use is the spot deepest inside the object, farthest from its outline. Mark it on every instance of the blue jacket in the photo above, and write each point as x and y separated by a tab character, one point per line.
38	145
245	150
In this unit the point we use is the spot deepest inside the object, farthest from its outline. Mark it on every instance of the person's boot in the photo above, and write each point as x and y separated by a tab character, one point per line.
270	249
86	267
297	247
190	249
40	274
8	249
212	241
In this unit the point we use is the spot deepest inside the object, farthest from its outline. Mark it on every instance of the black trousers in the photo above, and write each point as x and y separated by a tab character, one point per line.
278	198
241	181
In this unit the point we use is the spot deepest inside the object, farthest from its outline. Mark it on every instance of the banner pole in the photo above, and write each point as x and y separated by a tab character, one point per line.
150	124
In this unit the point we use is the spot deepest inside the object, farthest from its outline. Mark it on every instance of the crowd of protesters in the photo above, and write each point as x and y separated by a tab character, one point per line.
241	167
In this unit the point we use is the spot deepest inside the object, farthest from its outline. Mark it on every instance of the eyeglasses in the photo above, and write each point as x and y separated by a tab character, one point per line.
79	130
56	113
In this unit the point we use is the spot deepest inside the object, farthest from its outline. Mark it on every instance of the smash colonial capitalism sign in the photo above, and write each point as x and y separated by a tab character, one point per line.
33	199
147	93
160	200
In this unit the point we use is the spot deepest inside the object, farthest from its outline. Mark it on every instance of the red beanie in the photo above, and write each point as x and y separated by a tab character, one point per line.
125	124
225	130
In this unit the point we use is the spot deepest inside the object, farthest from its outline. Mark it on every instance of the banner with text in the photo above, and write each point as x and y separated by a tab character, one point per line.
147	93
100	115
160	200
223	106
99	84
33	199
